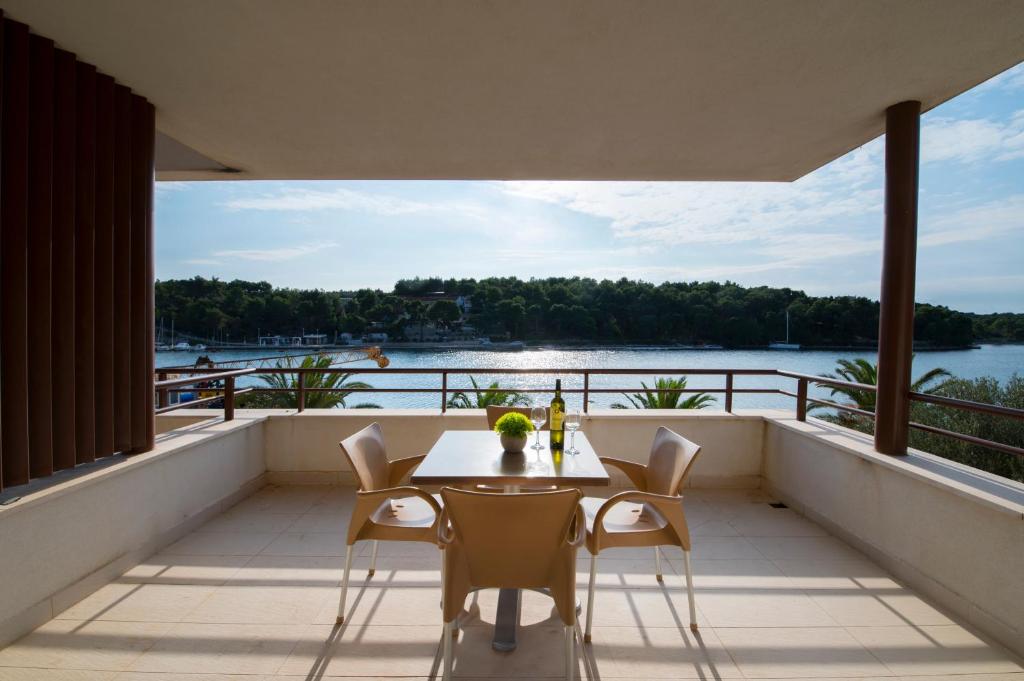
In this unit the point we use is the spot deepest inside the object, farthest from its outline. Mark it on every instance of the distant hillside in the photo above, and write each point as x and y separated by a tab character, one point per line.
563	309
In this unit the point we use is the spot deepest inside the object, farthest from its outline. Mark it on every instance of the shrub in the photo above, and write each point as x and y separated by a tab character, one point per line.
513	424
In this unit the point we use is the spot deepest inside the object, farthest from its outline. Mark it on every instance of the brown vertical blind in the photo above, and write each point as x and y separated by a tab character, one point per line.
40	240
14	253
76	261
85	235
122	254
103	271
63	287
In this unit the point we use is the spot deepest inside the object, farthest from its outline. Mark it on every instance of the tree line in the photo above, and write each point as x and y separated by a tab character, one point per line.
562	309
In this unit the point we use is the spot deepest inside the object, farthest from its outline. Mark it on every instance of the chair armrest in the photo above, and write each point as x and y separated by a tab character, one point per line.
445	535
581	528
635	471
668	506
399	468
403	491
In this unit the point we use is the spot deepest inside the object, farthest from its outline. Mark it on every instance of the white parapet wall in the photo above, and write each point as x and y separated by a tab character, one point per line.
79	529
951	532
303	448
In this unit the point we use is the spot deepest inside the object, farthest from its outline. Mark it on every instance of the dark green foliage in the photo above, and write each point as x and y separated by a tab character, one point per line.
664	396
491	396
568	309
995	428
1000	327
338	385
986	390
866	373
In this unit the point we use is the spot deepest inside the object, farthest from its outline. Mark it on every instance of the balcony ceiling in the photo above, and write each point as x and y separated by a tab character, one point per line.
566	89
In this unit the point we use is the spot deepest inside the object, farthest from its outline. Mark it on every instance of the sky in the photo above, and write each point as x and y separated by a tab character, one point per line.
820	234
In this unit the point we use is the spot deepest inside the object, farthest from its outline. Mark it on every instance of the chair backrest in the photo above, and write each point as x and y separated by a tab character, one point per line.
494	413
512	540
672	457
367	458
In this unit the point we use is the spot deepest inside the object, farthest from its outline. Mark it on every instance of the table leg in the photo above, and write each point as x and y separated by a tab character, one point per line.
507	618
506	621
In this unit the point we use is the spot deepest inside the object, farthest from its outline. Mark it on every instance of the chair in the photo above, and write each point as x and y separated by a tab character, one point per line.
650	515
494	413
384	510
524	541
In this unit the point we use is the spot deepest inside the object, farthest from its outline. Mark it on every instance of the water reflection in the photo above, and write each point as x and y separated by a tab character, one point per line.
998	361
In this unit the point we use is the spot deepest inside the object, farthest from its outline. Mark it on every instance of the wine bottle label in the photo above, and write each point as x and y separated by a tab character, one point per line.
557	417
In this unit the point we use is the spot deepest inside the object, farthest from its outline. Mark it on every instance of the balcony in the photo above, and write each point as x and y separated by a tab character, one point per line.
206	545
220	552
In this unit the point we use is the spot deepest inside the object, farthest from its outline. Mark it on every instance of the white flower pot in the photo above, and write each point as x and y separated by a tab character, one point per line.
513	444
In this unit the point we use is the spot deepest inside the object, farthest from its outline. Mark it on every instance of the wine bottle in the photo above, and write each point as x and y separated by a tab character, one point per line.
557	419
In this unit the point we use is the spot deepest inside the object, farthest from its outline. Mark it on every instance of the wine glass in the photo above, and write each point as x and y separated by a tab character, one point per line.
573	420
538	415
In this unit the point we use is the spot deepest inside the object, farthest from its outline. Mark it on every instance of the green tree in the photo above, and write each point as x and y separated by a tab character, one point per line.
444	312
481	398
866	373
665	395
337	386
417	310
993	428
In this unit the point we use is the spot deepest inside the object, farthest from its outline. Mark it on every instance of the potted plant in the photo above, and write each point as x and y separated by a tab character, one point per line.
513	428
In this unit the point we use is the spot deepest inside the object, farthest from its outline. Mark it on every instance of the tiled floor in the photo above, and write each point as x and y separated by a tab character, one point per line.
252	595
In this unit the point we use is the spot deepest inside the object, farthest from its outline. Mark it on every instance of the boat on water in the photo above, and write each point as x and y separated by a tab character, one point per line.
784	345
184	346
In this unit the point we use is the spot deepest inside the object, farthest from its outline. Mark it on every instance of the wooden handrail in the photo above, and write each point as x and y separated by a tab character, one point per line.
201	377
200	374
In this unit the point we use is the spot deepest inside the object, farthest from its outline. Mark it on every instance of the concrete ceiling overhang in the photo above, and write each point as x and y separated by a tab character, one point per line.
528	89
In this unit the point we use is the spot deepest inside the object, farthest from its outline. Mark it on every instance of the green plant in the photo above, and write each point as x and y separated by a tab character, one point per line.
513	424
337	386
864	372
491	396
986	426
665	395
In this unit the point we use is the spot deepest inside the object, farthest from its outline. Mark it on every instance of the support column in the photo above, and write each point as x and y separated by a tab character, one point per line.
899	259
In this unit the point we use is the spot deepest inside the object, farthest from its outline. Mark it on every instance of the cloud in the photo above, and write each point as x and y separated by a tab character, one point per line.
1010	80
276	254
975	223
202	261
165	190
295	199
719	213
970	140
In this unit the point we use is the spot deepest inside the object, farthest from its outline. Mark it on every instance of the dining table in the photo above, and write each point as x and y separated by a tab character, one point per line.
475	457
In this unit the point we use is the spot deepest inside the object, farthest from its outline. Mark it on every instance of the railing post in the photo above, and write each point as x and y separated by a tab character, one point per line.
229	398
801	400
302	391
728	392
162	398
586	392
444	392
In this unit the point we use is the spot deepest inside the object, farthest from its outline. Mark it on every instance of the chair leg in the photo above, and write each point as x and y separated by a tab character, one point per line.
344	584
447	645
570	652
689	591
657	565
590	598
373	558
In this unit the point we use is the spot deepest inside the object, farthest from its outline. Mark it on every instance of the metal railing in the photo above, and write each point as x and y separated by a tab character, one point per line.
729	390
164	387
